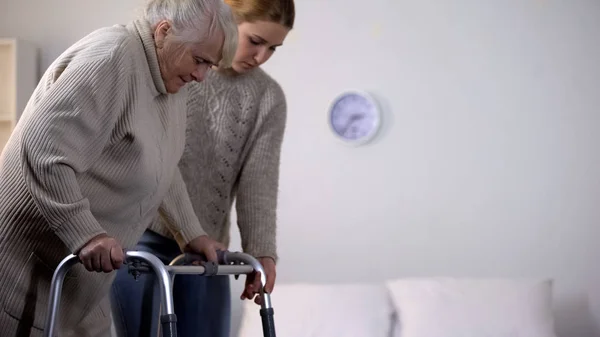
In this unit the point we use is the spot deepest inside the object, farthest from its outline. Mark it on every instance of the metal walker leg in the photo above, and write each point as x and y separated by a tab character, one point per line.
168	320
230	263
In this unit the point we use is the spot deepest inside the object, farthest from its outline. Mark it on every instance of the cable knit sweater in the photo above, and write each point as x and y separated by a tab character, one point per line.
95	151
233	142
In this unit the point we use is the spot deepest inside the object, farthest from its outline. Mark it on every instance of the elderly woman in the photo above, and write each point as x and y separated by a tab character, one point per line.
94	157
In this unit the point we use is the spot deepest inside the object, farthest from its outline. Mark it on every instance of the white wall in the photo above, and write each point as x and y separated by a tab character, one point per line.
488	162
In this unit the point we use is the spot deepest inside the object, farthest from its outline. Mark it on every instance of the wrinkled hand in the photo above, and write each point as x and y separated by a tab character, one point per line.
207	246
253	284
102	254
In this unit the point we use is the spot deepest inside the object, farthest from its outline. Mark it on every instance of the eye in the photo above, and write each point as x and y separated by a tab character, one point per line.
200	60
254	42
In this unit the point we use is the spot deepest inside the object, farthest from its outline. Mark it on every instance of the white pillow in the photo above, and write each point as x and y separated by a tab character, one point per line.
314	310
445	307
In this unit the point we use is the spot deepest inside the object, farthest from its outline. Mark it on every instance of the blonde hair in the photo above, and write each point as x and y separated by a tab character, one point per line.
279	11
194	21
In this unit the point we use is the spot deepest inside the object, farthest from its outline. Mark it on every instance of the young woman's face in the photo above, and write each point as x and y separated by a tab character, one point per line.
257	42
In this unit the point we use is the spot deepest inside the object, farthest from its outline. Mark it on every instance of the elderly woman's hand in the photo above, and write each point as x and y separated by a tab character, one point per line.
253	283
102	253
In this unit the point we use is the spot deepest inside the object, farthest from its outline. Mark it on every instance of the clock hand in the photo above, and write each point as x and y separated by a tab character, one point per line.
351	120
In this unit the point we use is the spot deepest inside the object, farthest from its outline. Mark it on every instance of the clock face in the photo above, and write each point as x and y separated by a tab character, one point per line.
354	117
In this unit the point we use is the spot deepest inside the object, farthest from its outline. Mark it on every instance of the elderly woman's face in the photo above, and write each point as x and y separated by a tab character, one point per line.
182	63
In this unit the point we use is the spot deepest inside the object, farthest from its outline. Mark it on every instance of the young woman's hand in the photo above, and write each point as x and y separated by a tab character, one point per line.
102	254
207	246
253	284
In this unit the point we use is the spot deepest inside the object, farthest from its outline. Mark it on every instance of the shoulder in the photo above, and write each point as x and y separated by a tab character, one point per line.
255	90
108	48
255	84
262	90
272	101
270	91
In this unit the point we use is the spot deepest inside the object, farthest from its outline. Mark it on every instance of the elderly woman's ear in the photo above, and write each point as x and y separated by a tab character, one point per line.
161	31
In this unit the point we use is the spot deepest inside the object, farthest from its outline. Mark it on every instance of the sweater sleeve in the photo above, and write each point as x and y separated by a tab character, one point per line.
256	201
63	134
177	213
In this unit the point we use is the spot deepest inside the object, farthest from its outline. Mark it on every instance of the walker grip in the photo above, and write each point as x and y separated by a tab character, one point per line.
196	257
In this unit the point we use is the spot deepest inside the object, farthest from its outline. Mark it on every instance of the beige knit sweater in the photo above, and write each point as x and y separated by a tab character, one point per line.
94	152
234	137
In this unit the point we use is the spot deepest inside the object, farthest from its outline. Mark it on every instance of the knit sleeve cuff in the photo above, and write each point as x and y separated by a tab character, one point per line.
263	250
79	230
188	233
259	240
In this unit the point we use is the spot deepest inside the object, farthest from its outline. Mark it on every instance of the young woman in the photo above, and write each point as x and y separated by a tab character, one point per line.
236	121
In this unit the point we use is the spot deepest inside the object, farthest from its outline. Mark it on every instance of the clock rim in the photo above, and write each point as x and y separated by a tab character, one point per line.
378	115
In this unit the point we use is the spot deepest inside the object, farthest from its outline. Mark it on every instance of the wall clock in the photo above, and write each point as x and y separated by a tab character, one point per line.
354	117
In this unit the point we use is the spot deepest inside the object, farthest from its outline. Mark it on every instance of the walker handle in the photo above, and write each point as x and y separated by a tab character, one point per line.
169	328
226	258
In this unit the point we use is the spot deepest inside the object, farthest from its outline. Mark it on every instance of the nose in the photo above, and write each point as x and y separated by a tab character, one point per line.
262	56
200	72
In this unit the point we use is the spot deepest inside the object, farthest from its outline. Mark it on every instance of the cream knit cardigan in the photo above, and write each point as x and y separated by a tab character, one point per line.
95	151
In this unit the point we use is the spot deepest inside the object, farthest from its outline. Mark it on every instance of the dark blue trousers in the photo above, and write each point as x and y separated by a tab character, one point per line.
202	304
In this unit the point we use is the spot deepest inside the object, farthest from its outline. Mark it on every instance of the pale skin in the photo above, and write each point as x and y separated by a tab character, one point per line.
180	63
257	42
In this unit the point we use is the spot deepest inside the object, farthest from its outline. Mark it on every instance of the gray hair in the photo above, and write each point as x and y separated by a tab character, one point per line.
196	20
